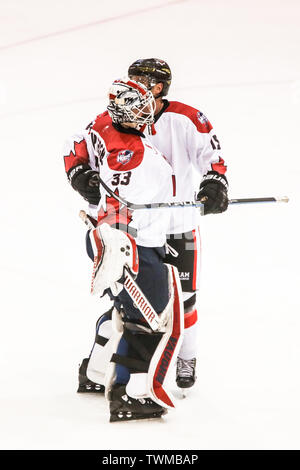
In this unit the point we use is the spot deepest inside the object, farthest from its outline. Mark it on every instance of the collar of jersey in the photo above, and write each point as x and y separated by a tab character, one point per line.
157	116
127	130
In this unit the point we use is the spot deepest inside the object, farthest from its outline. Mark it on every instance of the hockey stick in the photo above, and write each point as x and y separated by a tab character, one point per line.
139	299
182	204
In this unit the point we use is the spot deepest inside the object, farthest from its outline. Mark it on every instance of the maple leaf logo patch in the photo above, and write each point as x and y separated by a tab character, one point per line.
79	155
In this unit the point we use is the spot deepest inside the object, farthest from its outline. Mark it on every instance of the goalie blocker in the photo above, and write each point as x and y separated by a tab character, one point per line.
136	380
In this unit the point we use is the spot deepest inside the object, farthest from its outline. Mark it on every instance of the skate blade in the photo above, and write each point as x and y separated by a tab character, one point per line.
135	416
100	389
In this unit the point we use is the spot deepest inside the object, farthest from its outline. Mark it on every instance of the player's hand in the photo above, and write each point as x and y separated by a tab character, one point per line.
86	182
213	193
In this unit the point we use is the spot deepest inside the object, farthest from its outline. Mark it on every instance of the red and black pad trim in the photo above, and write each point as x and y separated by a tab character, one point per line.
190	318
135	256
165	360
189	303
98	256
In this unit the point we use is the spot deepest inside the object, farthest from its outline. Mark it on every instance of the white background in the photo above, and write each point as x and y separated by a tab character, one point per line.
238	61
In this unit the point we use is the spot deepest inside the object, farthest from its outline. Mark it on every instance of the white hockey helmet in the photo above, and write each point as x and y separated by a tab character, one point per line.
131	102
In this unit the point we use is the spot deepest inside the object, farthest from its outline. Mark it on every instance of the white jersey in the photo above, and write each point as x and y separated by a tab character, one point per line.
186	138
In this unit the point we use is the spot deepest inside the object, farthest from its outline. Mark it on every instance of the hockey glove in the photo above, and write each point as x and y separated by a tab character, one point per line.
213	193
86	181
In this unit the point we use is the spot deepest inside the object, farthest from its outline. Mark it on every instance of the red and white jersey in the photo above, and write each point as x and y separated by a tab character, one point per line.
132	167
184	136
187	139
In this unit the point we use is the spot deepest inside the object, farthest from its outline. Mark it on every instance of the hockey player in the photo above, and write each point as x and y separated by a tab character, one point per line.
114	145
186	138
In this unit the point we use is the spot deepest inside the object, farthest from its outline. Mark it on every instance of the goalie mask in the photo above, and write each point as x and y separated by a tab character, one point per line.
131	102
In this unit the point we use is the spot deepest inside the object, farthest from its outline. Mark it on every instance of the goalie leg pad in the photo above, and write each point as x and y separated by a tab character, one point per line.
165	355
152	279
133	401
151	354
102	349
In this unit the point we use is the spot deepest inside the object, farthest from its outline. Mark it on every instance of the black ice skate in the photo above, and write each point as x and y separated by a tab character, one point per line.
186	372
86	385
125	408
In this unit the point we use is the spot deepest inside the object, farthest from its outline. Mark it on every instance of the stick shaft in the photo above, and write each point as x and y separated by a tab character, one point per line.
184	204
258	199
154	205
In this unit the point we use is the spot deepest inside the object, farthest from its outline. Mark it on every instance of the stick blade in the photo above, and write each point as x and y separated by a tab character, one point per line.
283	199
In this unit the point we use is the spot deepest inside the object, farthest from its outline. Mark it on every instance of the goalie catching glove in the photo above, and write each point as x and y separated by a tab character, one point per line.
114	251
213	193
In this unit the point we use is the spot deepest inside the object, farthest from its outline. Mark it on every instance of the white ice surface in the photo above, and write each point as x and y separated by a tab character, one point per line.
239	63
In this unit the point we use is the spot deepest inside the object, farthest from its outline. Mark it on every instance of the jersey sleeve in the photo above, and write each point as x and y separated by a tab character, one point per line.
204	145
75	152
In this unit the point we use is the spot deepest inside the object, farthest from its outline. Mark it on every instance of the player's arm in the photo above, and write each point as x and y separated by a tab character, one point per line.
206	155
80	174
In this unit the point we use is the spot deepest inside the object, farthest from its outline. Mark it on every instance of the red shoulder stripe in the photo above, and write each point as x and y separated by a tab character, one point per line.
199	119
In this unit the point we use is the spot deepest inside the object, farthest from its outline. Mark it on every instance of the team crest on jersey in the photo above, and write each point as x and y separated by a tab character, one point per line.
202	118
124	157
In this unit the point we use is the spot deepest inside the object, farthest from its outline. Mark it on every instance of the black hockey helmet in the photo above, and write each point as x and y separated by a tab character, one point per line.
156	70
